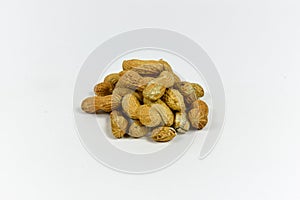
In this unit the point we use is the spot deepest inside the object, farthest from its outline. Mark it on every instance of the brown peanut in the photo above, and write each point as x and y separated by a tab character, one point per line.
148	116
154	91
181	123
103	89
163	134
123	91
99	103
165	78
130	104
118	124
198	119
174	100
167	116
198	90
133	81
112	79
146	67
156	88
152	115
188	90
201	106
137	129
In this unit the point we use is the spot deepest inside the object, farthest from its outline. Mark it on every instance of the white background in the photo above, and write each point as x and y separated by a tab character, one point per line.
255	46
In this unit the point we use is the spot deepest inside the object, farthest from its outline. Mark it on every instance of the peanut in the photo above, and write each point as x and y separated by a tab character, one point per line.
118	124
103	89
174	100
201	106
167	116
146	67
130	104
165	78
99	103
163	134
154	91
198	90
137	129
152	115
157	87
112	79
198	119
190	92
148	116
123	91
181	123
133	81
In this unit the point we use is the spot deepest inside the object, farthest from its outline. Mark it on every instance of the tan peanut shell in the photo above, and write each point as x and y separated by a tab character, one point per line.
137	129
156	88
154	91
184	87
187	90
123	91
198	119
133	81
201	106
130	104
163	134
118	124
146	67
167	116
101	103
103	89
174	99
181	123
148	116
190	91
165	78
112	79
198	90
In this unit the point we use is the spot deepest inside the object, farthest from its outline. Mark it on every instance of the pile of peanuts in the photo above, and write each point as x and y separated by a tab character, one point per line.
147	96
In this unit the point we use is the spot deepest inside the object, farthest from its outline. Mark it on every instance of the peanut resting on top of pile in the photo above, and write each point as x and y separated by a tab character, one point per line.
147	96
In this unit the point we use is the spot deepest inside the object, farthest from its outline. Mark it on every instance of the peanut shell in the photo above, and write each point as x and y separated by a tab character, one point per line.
118	124
146	67
163	134
148	116
137	129
154	91
201	106
130	104
181	123
174	99
103	89
198	90
198	120
112	79
101	103
165	113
